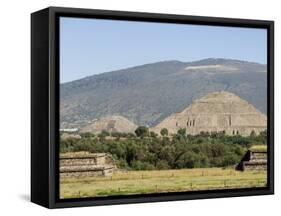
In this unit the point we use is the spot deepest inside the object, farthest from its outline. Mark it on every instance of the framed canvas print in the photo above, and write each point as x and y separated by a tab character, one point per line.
138	107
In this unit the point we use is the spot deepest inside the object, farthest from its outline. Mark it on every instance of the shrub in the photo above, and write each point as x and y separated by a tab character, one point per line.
139	165
87	135
153	134
162	165
230	159
182	132
142	131
105	133
164	132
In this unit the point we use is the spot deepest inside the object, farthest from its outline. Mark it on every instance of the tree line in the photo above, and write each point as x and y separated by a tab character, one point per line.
146	150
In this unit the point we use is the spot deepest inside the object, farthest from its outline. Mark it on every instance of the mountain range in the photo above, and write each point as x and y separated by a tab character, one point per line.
149	93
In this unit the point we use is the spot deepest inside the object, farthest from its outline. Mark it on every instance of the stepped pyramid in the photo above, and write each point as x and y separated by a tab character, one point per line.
216	112
113	123
253	160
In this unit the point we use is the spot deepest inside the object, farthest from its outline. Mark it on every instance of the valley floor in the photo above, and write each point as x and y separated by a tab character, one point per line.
157	181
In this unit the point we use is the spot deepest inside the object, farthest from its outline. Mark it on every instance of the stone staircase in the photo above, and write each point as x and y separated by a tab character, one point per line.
253	160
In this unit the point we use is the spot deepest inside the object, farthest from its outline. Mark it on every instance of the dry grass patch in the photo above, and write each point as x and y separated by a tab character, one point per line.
144	182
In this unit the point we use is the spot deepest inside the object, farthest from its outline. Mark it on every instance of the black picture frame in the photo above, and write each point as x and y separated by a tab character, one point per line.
45	106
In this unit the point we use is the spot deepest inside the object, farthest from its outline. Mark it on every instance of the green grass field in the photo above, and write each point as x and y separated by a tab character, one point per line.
144	182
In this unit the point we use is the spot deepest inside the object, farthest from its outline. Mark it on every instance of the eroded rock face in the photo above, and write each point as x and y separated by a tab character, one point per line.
110	124
217	111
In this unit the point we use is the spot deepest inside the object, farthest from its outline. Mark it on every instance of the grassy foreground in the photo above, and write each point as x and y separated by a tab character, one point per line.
143	182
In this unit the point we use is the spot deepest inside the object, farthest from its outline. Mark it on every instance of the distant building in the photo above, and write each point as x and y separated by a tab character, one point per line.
70	130
113	123
217	112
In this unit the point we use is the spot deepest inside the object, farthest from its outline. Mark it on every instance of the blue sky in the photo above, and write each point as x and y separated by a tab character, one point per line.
92	46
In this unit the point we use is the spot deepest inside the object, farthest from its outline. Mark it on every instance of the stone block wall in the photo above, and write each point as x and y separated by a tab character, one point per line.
86	164
253	160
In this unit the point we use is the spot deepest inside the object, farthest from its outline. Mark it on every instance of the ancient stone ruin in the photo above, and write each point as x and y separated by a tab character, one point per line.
81	164
113	123
253	160
217	112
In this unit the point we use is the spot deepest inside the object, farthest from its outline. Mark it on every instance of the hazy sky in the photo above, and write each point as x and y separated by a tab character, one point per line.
92	46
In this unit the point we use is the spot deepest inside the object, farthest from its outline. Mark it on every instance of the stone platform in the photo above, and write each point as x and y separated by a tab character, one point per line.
86	164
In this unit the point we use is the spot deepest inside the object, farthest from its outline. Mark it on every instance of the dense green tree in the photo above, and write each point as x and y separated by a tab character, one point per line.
140	165
179	151
182	132
162	165
142	131
105	133
153	134
164	132
87	135
229	159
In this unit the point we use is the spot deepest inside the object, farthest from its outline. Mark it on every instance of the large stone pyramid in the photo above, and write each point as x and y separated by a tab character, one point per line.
113	123
217	112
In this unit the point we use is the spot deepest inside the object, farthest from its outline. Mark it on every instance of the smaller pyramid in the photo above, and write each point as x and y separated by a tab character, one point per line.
217	112
113	123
